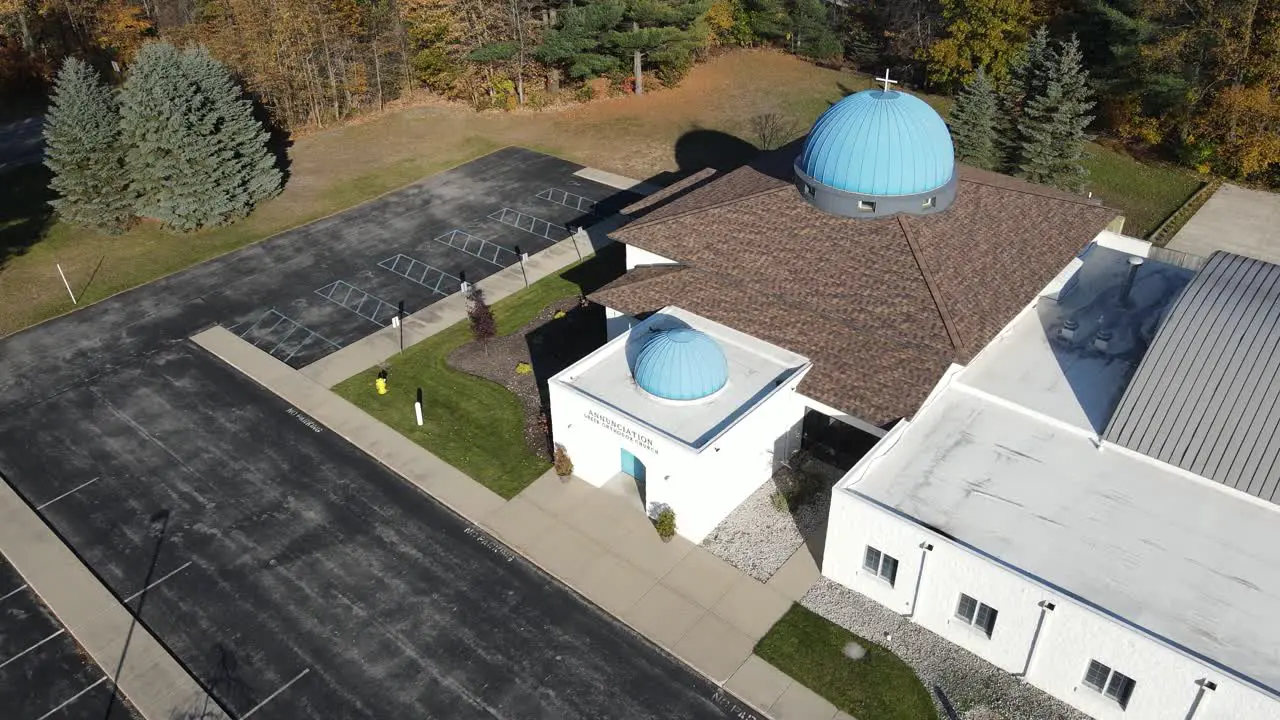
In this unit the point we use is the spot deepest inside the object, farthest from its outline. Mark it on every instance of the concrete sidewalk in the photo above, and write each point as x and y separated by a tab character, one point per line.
598	542
151	678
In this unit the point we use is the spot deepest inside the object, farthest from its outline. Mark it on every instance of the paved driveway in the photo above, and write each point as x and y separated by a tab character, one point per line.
1235	219
298	578
21	142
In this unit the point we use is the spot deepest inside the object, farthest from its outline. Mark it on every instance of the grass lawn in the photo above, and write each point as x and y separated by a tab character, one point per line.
1145	194
469	422
704	121
879	686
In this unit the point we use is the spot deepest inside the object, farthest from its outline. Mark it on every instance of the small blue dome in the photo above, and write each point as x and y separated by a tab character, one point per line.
681	364
879	143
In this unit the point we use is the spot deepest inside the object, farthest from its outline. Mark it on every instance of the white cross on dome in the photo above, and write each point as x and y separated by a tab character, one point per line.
887	82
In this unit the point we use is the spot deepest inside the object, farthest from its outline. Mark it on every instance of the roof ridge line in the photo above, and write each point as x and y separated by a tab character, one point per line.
1082	201
917	254
640	222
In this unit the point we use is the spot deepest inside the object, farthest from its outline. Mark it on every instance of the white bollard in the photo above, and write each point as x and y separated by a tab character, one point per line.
417	410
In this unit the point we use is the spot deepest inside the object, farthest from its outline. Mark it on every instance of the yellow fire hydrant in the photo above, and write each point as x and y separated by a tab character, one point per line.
381	382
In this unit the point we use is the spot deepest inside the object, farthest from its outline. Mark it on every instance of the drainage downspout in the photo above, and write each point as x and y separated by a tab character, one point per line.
1046	607
915	595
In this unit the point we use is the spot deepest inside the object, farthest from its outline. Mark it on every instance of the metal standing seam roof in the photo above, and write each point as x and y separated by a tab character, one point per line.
1206	397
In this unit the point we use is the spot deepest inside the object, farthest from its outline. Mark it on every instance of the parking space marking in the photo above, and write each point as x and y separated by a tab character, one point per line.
568	199
366	305
431	277
157	582
50	502
284	687
529	224
292	326
33	647
13	592
478	246
73	698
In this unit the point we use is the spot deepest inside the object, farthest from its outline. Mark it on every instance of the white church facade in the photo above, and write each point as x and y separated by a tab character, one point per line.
1013	483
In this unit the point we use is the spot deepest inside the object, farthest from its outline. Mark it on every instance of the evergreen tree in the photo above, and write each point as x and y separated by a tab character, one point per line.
768	19
579	43
668	33
811	33
973	123
1054	122
82	133
1028	76
195	154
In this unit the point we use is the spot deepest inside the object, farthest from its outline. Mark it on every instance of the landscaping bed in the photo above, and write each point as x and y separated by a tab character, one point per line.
561	334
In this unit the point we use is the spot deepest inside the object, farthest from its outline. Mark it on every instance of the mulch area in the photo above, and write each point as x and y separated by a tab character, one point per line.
549	345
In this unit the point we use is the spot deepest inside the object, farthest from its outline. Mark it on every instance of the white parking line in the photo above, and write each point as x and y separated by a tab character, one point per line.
33	647
73	698
81	485
157	582
284	687
13	592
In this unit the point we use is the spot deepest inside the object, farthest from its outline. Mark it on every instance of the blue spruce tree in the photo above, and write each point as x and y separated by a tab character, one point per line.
196	155
974	123
82	134
1054	122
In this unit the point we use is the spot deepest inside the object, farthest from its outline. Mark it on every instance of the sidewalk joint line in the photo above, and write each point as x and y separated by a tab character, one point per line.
33	647
73	698
269	698
81	485
157	582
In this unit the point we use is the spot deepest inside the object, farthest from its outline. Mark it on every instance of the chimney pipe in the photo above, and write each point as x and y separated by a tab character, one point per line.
1135	262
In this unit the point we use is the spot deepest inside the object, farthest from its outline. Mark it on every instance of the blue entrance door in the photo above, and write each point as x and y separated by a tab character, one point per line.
632	466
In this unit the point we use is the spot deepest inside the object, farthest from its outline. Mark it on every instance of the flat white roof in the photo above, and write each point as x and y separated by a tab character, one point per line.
1004	457
756	369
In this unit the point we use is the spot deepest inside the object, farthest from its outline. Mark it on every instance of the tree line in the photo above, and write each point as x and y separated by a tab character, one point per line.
1195	80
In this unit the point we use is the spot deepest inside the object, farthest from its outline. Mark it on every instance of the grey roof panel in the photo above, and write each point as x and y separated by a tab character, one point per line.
1205	397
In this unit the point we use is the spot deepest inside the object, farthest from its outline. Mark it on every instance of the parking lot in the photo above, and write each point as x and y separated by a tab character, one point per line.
43	672
292	574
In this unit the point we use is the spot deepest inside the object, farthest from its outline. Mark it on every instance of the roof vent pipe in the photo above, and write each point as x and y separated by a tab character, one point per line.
1135	262
1068	329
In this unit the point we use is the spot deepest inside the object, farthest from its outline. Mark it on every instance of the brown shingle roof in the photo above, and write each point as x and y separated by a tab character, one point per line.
880	306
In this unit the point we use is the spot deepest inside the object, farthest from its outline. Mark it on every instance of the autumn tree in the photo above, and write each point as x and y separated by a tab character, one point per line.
480	316
1240	130
82	134
978	33
973	123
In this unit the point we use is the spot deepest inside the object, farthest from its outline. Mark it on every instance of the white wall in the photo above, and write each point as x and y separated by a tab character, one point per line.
701	487
636	256
616	323
1071	636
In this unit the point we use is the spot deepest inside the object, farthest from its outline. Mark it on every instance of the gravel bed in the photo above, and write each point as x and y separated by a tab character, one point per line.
975	688
757	538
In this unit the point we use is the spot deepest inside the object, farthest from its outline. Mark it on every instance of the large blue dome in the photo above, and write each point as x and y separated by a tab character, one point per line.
881	152
680	364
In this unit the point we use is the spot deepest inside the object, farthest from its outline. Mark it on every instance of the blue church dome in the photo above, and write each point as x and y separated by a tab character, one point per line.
681	364
877	153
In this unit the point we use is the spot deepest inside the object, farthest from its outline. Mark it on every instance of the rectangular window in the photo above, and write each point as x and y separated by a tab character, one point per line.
977	614
866	206
1117	686
928	203
884	566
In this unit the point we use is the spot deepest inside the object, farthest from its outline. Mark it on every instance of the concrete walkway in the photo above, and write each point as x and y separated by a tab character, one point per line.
598	542
1235	219
151	678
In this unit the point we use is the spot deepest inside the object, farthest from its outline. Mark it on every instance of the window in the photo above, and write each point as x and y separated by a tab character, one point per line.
1117	686
807	189
929	202
884	566
866	206
982	617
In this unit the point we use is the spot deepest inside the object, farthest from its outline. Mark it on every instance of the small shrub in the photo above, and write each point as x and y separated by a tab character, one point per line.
666	523
780	502
563	465
559	314
523	368
772	130
586	93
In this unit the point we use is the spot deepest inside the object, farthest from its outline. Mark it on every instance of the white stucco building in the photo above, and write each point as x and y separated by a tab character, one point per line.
1013	516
